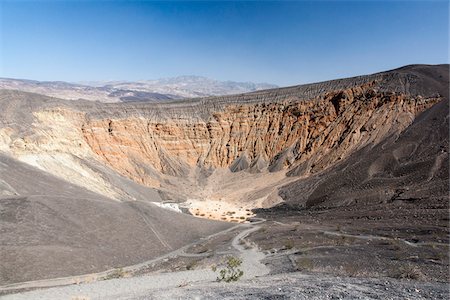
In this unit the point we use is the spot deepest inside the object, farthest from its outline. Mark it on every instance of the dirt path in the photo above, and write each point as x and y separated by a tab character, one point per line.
87	278
383	238
117	288
366	236
251	256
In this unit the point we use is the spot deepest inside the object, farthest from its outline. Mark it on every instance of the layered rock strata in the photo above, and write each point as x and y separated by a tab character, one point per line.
307	127
320	131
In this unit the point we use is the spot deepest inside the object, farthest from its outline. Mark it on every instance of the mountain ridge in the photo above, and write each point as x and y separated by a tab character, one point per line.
145	90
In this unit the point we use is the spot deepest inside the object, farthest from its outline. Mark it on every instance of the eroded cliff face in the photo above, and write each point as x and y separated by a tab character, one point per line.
275	135
174	147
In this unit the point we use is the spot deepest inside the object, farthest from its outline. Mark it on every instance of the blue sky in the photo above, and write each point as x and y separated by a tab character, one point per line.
278	42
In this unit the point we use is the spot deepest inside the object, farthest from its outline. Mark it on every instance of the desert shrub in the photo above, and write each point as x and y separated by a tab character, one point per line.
304	264
356	270
341	240
192	265
117	273
289	244
395	245
409	272
231	271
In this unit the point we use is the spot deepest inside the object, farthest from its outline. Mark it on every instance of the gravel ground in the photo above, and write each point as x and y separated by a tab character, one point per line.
298	286
287	286
133	287
123	288
255	284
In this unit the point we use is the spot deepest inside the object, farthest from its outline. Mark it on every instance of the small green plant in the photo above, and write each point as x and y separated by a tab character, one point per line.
231	271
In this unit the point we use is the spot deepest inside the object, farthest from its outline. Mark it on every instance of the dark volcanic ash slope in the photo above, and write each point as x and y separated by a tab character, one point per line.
393	190
381	212
50	228
409	166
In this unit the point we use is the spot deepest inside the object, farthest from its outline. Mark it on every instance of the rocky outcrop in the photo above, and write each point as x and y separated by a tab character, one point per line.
319	131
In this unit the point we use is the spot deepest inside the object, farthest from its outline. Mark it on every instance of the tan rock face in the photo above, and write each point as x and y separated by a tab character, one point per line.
315	132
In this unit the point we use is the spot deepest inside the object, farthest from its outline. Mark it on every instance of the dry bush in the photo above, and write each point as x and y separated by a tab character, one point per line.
231	271
289	244
408	272
117	273
304	264
192	265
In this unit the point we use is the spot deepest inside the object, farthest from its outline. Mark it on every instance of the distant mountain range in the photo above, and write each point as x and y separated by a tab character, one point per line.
125	91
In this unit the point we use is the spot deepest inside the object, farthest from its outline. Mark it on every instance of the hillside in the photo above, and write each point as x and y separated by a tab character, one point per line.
348	150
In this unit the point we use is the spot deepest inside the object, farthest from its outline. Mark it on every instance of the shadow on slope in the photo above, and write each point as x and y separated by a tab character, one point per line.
51	228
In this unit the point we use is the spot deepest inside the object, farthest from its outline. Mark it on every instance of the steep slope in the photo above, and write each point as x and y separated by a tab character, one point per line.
51	228
381	212
409	167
